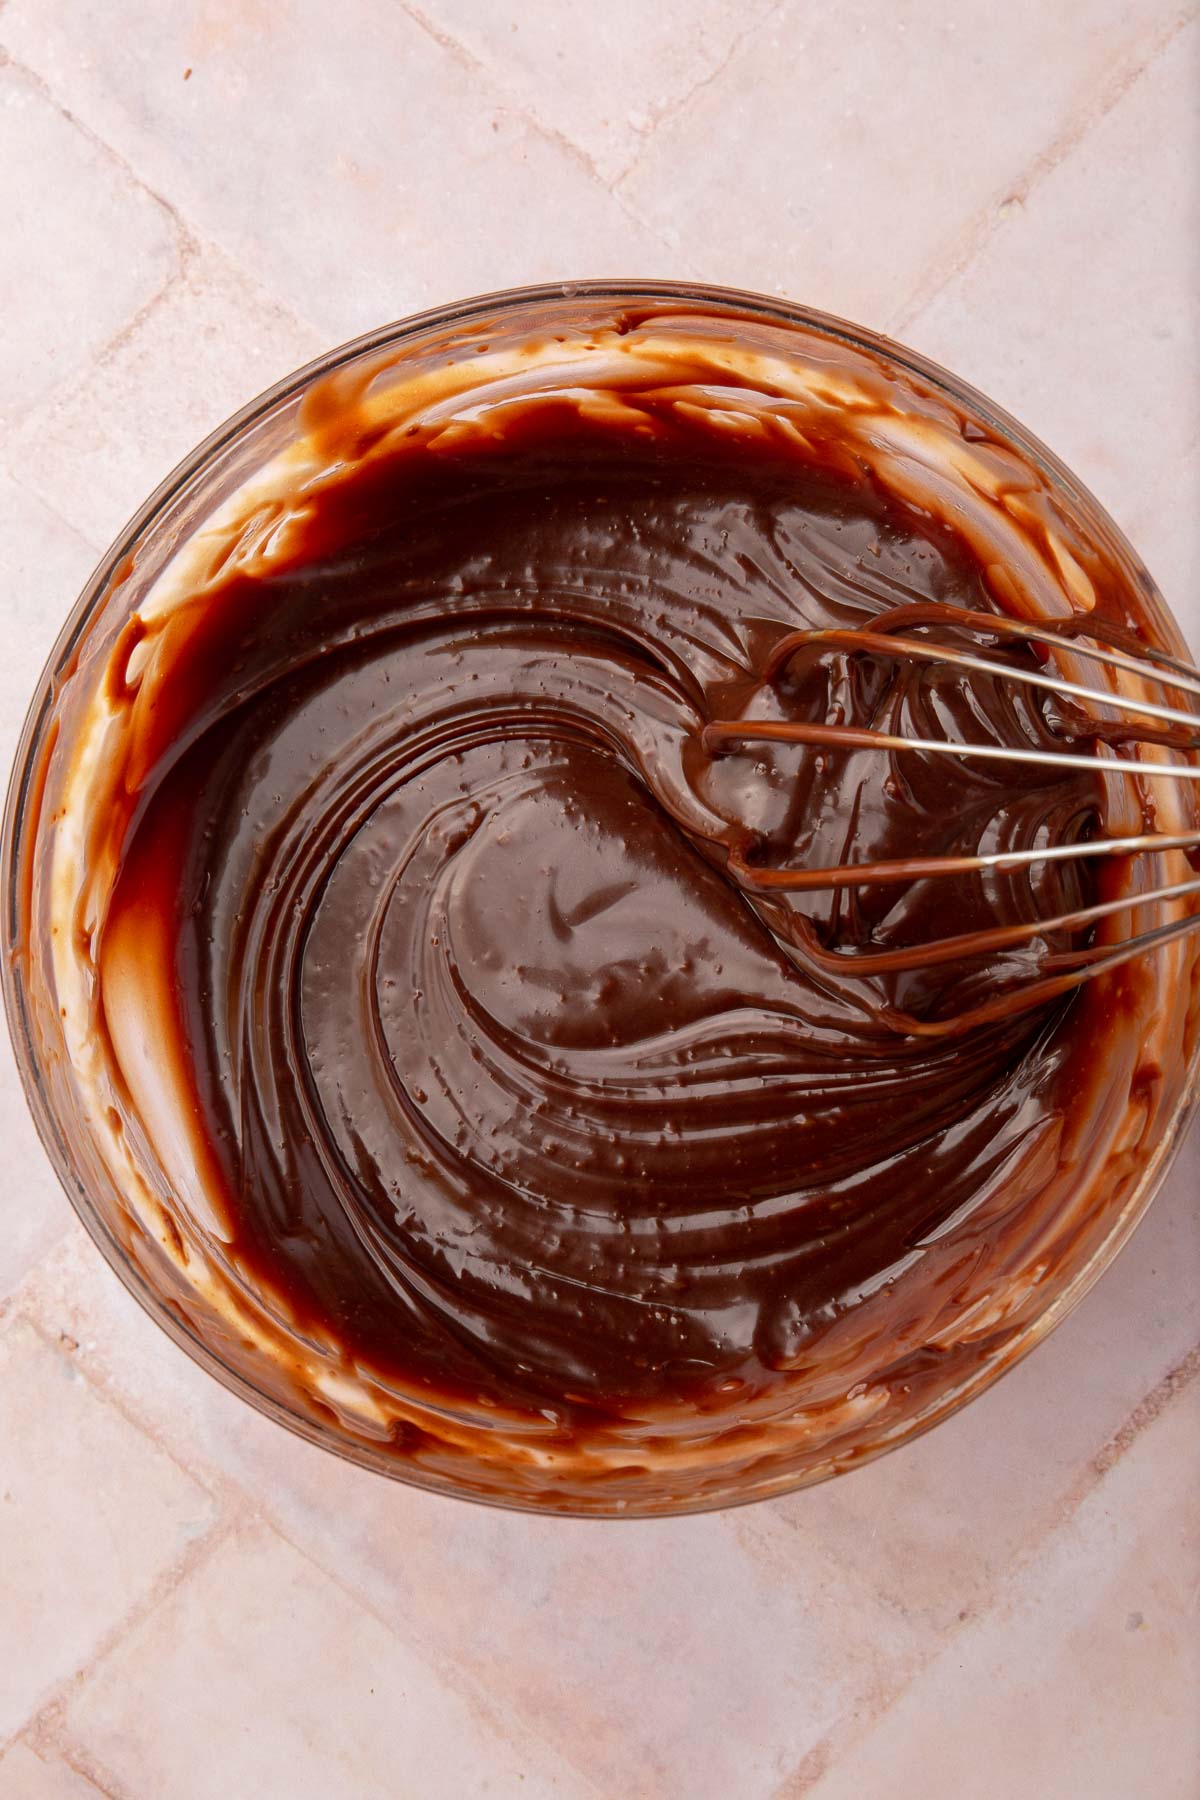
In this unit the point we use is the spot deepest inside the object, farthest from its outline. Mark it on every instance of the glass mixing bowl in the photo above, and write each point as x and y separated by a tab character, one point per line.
148	1245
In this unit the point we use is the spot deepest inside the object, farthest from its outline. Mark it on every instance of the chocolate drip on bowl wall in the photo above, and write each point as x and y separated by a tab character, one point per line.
408	967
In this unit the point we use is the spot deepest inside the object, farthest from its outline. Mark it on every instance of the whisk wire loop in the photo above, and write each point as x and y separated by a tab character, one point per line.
1083	638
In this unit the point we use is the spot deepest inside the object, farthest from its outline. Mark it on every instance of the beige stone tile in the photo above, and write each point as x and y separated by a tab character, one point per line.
1083	1681
603	76
661	1658
845	150
91	1512
212	342
26	1776
1080	315
259	1676
936	1527
43	564
357	167
84	247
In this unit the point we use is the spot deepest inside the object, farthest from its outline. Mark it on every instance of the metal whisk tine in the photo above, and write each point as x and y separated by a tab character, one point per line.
917	649
922	868
1105	646
856	737
1109	646
878	639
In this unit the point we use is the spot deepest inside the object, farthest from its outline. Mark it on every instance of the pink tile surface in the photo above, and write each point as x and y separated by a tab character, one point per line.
1094	276
1090	1661
261	1676
1008	1606
426	184
602	1640
935	1529
24	1775
604	78
777	166
84	247
91	1513
204	346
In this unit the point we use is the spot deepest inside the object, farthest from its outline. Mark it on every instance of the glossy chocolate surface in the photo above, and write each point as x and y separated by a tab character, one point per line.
423	948
507	1082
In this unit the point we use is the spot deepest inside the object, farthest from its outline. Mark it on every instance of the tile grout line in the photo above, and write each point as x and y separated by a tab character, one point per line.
45	1723
882	1691
675	108
226	1494
49	1727
14	1305
1145	1413
179	225
825	1753
466	58
48	405
49	401
462	53
237	1506
79	1761
95	552
979	231
190	241
451	1673
510	102
183	246
189	247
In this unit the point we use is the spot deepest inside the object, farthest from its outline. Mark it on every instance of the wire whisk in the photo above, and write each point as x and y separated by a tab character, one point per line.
1128	717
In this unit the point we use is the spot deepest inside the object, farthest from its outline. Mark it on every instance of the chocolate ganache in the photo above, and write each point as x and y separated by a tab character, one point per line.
419	940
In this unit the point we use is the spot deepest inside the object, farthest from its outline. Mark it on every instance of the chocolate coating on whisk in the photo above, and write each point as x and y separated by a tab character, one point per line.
505	1081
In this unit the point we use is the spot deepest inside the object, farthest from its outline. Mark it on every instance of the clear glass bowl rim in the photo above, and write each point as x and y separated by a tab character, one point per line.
510	302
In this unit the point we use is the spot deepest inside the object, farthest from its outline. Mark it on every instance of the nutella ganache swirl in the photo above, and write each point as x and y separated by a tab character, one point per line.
432	1035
